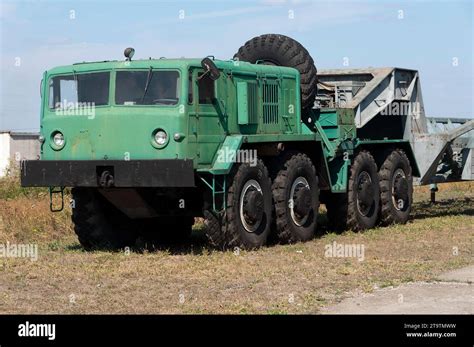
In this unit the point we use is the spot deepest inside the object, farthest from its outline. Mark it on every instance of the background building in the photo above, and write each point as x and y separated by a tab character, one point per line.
15	146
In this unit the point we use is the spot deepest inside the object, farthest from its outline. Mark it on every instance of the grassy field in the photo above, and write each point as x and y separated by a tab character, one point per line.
193	278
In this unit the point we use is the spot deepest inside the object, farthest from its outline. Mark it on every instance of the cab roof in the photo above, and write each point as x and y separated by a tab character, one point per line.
181	64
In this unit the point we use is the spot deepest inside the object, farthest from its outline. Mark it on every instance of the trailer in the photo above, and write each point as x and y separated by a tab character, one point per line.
388	101
254	145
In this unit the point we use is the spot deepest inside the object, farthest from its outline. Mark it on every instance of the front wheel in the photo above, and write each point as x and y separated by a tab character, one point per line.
98	224
248	215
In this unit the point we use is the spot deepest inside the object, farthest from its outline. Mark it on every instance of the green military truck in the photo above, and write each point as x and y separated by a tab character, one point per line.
253	145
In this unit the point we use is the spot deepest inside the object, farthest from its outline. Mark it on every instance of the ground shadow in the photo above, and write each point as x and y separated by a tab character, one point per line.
442	208
197	244
421	210
74	247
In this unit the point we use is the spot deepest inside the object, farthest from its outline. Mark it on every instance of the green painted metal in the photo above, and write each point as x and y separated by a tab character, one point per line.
218	187
338	169
279	138
335	126
242	103
225	156
329	148
359	142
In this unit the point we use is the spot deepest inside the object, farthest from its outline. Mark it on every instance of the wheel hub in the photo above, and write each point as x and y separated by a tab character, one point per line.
251	206
301	201
365	193
400	190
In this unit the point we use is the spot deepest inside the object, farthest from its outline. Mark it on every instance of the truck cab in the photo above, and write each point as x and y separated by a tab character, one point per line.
161	109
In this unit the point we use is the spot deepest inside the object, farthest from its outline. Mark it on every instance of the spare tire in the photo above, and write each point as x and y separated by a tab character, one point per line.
274	49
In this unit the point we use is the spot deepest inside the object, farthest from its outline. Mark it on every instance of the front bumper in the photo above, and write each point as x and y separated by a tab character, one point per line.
125	173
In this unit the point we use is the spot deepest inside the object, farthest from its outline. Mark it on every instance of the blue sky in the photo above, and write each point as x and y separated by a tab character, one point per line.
429	37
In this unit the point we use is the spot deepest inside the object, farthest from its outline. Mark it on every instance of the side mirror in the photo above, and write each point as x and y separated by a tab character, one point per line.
210	69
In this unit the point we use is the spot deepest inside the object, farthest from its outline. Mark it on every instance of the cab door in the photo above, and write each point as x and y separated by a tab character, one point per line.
205	122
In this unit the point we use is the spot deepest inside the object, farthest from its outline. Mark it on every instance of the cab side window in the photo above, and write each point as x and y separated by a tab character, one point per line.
205	89
190	88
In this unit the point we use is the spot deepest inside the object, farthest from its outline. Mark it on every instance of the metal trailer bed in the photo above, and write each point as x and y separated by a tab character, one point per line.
388	102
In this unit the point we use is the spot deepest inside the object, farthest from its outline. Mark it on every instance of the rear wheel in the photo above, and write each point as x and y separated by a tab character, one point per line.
296	198
363	193
358	208
396	188
98	224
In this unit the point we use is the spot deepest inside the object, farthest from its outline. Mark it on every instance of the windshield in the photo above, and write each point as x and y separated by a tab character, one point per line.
150	87
79	89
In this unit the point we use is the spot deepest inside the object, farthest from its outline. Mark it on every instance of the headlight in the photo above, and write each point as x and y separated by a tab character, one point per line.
161	137
58	140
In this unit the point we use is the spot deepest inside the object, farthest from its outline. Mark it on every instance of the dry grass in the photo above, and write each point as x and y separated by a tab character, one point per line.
195	279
